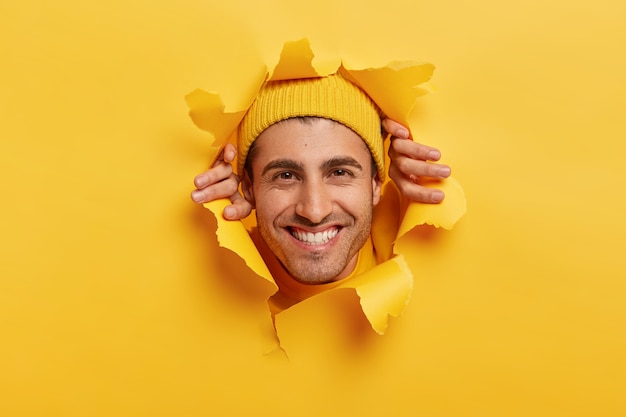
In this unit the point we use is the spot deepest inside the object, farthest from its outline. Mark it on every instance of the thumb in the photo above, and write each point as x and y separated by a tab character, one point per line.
239	209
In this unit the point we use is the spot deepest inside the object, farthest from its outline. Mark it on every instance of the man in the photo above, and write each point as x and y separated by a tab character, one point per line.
311	161
410	161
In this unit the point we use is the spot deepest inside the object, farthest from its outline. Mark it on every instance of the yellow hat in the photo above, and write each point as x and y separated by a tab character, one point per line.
332	97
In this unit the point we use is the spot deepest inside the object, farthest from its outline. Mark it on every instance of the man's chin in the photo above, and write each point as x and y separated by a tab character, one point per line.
313	276
313	281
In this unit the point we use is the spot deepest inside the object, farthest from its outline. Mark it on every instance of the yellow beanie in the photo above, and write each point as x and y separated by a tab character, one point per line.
332	97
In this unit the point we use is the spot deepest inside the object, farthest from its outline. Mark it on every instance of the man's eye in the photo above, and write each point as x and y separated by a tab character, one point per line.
285	176
340	172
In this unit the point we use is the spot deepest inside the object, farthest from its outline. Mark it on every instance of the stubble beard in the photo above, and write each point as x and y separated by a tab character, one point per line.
319	267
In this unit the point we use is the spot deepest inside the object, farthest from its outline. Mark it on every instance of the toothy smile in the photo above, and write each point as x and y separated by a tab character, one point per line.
319	238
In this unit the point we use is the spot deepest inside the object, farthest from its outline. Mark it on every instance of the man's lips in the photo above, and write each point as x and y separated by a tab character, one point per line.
314	238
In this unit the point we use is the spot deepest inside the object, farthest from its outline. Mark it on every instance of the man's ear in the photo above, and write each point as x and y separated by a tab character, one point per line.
246	187
376	187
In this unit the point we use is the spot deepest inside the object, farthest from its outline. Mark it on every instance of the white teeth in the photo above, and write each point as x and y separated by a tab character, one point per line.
318	238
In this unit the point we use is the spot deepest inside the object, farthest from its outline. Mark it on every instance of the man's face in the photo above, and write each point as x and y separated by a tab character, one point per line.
313	190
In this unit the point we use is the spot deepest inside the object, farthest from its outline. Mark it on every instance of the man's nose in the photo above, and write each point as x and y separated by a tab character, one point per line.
314	202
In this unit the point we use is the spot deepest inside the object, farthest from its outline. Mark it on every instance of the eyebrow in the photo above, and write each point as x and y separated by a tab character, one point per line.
289	164
292	165
342	161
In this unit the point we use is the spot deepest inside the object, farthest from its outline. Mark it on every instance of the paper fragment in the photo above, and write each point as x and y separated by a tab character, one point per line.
384	290
394	87
233	235
444	214
295	62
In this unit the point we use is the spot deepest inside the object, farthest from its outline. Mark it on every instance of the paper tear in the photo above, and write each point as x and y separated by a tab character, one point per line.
295	62
234	236
204	107
444	214
394	88
384	290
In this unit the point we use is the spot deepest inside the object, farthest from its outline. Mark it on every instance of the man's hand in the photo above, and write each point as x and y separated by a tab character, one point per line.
221	182
410	162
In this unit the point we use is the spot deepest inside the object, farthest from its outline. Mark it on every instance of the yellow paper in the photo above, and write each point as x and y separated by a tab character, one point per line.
116	299
444	215
234	236
385	290
204	104
395	87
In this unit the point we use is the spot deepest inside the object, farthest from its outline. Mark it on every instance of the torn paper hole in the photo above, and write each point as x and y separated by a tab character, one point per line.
384	290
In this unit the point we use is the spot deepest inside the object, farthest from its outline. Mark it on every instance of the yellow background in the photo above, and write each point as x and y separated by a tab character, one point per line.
111	298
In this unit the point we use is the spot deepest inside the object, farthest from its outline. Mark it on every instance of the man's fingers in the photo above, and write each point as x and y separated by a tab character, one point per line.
414	150
413	191
221	182
415	168
216	174
396	129
222	189
412	163
239	209
410	187
229	153
422	194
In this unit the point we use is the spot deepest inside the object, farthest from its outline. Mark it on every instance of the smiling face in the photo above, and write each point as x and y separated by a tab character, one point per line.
313	189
